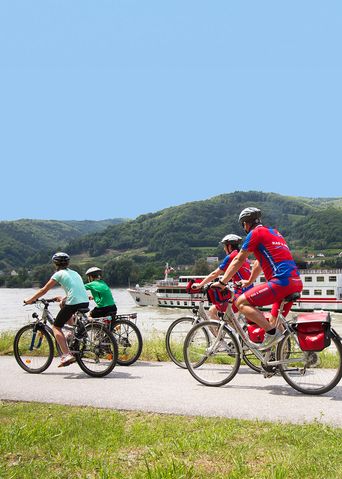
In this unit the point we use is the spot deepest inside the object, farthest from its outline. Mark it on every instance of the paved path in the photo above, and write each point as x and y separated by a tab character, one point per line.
165	388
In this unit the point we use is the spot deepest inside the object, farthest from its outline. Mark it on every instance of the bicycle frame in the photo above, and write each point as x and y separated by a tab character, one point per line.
232	321
236	329
47	320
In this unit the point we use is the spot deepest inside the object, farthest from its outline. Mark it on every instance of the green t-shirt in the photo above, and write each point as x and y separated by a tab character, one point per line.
101	293
72	284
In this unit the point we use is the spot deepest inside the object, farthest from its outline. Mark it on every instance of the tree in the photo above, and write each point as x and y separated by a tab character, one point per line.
200	268
121	271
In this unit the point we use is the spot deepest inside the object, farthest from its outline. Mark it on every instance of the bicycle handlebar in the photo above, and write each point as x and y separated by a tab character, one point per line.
43	300
231	286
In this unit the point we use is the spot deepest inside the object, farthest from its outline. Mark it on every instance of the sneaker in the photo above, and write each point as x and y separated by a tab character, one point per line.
66	360
271	339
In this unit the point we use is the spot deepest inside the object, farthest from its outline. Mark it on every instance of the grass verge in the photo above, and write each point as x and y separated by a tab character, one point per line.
52	441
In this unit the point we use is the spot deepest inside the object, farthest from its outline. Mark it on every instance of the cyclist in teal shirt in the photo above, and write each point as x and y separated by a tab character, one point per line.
101	294
76	298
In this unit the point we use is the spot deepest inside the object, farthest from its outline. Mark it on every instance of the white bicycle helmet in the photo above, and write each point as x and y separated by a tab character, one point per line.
231	239
93	271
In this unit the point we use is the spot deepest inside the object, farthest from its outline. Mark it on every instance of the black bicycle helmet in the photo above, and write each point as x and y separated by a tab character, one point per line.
250	215
231	239
61	259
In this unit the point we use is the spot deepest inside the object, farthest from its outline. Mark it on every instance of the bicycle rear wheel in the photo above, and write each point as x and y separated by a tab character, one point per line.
129	341
33	348
213	364
175	337
97	351
310	372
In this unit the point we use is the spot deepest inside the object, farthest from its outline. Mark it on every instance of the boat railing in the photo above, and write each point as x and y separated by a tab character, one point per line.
167	282
320	271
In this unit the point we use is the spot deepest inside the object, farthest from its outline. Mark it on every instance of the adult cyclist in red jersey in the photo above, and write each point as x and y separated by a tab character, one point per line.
275	260
231	245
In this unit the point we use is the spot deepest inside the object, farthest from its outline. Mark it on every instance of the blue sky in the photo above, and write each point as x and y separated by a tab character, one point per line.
115	108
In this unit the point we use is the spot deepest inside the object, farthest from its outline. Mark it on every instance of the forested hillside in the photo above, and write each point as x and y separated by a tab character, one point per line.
176	233
184	236
22	239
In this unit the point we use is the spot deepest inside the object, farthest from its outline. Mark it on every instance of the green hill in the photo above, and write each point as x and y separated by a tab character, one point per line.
186	233
21	239
136	250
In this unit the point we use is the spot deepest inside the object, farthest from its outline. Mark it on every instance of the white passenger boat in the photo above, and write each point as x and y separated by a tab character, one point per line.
322	290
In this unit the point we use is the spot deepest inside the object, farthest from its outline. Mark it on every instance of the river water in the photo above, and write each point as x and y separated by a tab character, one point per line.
151	320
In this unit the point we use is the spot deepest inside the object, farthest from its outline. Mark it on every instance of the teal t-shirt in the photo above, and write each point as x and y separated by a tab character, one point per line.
101	293
73	286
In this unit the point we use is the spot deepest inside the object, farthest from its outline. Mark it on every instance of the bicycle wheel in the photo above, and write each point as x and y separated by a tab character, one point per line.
175	337
33	348
310	372
97	351
212	364
250	359
129	341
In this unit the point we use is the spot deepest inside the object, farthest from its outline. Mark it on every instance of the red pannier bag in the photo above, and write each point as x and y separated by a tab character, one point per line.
218	295
313	331
255	333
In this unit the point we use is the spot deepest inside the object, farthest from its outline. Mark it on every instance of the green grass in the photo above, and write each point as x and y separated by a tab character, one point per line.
51	441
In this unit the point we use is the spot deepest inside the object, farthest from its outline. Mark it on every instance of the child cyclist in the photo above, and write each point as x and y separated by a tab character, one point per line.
76	298
101	294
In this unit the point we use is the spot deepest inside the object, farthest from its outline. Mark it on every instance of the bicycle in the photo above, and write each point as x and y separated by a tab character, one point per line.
92	344
178	329
127	335
308	371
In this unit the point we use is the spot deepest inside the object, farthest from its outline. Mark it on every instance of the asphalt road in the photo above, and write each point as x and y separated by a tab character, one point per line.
165	388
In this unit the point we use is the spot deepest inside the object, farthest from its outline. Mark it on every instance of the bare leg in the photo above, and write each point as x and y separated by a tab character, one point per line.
213	313
252	313
60	338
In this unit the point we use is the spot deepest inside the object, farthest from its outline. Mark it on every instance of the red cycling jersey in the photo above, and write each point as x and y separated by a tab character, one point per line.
278	265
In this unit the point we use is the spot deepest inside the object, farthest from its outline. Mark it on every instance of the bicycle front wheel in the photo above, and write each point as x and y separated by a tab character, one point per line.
175	337
129	341
310	372
33	349
97	351
216	363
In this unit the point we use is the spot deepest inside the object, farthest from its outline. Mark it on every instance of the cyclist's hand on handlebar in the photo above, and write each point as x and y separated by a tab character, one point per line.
217	284
29	301
243	283
196	286
58	298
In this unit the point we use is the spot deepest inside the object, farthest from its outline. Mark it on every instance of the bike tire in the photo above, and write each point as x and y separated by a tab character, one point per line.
129	341
174	339
33	348
214	368
97	352
251	360
312	372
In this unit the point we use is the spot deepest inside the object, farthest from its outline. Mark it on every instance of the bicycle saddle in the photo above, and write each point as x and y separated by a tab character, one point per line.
292	297
83	310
